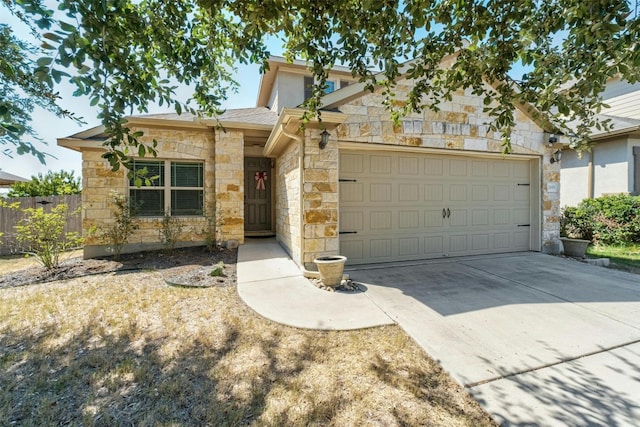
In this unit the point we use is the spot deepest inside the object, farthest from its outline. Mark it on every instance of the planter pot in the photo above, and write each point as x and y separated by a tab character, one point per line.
574	247
330	269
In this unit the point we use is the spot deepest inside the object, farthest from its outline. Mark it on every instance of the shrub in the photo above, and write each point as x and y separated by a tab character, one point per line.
123	226
42	234
170	230
611	219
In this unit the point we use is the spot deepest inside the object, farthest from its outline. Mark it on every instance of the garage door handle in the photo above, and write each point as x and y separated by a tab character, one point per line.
448	213
444	213
347	232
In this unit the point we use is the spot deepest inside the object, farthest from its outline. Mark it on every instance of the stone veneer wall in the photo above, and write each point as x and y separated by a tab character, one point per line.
223	163
459	125
288	200
229	183
320	195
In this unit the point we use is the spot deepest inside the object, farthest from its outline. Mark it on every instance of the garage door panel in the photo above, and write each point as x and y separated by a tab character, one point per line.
501	216
408	246
381	248
458	167
433	192
433	246
433	218
380	221
406	207
408	166
409	220
380	192
381	165
480	242
458	192
433	167
351	192
480	193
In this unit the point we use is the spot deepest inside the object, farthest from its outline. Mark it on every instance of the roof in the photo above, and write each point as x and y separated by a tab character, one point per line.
7	178
618	126
256	115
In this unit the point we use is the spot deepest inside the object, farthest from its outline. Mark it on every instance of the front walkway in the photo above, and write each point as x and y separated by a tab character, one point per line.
272	284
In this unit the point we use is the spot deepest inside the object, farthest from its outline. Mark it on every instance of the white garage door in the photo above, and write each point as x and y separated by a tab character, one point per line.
396	207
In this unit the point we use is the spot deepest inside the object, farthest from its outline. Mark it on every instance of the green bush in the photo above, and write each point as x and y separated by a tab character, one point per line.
612	220
124	223
42	234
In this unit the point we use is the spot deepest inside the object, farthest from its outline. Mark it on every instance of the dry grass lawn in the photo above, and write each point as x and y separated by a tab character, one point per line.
127	349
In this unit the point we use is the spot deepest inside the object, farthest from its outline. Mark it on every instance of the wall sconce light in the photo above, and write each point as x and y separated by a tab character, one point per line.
552	139
324	139
556	157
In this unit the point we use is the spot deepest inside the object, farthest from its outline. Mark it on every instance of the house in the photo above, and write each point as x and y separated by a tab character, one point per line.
434	185
612	166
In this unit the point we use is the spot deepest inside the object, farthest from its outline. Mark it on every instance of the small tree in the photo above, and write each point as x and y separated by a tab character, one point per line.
42	234
52	184
123	226
170	231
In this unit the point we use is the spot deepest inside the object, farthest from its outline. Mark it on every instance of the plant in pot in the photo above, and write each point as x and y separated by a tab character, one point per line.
331	268
575	231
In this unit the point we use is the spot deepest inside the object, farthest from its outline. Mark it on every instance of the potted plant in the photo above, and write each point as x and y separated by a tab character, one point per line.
331	268
575	232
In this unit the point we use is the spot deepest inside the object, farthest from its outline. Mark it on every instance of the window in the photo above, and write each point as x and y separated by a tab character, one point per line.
176	187
329	86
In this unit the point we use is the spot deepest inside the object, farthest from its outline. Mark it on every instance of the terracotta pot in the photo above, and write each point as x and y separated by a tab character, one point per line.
331	269
574	247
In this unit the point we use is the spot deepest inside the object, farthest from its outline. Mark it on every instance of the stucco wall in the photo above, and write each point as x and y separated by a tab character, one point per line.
574	178
223	166
613	171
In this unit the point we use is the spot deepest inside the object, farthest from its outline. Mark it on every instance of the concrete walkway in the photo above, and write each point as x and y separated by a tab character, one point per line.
537	340
272	284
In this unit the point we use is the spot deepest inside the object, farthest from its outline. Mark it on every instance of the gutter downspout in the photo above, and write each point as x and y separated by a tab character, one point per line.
590	175
636	170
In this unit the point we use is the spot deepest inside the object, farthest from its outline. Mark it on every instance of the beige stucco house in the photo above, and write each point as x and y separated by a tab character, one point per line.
434	185
612	166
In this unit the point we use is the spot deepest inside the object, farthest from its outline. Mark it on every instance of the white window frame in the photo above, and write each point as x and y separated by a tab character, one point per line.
167	188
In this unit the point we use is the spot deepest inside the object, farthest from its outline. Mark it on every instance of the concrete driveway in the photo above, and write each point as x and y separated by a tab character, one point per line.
537	339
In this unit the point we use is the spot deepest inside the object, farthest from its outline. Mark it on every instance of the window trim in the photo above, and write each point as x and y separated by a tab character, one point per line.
167	188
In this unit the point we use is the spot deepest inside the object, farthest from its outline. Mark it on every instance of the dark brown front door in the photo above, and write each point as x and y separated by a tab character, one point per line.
257	194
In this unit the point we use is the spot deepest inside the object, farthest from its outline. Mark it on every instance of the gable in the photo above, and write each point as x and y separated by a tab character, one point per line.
460	124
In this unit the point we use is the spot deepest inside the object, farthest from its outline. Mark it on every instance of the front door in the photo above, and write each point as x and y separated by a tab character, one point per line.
257	194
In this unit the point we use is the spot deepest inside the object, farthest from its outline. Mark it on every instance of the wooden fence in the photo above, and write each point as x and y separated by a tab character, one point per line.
10	217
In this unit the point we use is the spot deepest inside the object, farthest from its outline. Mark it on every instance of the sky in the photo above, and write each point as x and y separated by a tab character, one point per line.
50	127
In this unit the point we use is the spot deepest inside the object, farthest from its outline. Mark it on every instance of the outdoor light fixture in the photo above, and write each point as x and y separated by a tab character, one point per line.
324	139
552	139
555	157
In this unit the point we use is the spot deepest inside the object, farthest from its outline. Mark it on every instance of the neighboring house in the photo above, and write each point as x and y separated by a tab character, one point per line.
434	185
7	179
612	166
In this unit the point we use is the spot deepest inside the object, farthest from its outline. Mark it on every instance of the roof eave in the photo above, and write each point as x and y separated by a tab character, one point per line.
288	124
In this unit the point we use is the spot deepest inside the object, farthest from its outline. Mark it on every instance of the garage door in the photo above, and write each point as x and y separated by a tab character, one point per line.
396	207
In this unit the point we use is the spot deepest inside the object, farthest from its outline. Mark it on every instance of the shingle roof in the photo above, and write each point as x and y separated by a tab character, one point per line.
256	115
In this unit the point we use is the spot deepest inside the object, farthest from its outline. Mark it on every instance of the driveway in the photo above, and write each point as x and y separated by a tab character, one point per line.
537	339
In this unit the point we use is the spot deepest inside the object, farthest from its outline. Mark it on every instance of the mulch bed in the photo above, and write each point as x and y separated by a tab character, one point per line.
182	267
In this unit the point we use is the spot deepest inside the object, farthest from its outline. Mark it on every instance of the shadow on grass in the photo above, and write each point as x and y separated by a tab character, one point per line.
116	380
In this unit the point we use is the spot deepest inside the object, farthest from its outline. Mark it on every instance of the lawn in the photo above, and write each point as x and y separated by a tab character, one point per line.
625	257
125	348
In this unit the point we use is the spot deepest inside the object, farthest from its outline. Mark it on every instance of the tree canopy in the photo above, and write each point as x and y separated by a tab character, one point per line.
125	55
52	184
